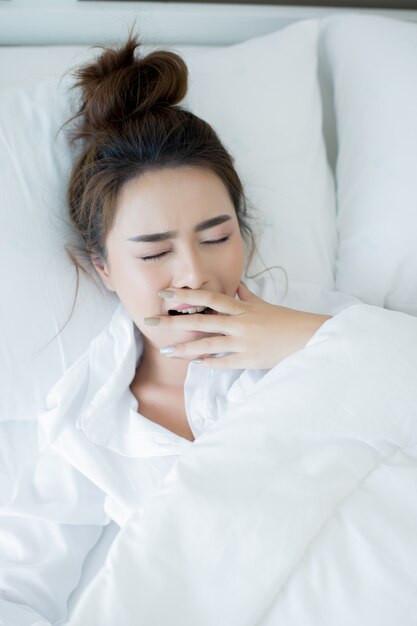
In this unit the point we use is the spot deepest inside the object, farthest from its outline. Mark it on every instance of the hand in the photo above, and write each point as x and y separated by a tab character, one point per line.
258	334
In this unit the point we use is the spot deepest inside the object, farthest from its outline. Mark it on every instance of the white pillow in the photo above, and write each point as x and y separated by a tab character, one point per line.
262	96
37	281
373	65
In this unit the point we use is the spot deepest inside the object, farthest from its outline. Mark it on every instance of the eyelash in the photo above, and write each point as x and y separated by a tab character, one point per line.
156	257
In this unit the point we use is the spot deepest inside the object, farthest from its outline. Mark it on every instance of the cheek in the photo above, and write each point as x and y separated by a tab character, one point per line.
138	284
147	280
232	266
237	256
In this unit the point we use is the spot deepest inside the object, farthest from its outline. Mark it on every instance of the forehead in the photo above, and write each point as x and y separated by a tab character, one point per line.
162	198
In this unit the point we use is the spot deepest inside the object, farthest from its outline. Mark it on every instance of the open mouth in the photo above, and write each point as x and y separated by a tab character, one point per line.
206	310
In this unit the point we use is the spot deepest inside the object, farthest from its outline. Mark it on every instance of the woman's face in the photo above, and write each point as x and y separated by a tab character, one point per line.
174	227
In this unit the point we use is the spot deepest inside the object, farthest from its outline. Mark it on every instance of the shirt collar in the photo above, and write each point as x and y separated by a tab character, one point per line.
106	409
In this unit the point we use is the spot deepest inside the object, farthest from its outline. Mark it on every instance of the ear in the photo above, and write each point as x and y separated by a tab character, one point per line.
103	271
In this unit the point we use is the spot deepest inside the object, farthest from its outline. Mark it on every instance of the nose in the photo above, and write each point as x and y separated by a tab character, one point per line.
190	270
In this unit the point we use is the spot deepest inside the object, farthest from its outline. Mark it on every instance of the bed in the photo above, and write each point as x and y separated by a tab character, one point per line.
327	99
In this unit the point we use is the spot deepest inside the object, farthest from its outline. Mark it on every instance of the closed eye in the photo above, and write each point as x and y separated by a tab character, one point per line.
162	254
153	258
216	240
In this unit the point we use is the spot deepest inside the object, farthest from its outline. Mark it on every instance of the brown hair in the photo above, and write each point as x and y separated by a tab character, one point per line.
129	122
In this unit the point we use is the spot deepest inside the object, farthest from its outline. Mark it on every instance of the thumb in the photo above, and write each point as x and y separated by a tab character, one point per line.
246	294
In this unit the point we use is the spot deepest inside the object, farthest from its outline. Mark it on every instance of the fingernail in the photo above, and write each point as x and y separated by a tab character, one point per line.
152	321
167	350
197	361
166	294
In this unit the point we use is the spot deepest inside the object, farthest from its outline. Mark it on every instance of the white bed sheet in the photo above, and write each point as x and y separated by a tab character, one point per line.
297	508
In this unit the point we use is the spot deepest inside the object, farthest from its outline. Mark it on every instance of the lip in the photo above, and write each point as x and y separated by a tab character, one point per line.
178	307
212	311
182	306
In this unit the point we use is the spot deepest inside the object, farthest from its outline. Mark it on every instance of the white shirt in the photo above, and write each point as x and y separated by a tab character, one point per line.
101	459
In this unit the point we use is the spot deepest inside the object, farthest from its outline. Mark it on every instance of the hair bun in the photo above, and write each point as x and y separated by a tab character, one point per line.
118	85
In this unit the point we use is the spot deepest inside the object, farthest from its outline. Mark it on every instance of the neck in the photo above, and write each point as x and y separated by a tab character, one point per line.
159	370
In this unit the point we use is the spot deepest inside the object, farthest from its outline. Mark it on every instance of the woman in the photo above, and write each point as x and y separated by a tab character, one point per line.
161	215
159	208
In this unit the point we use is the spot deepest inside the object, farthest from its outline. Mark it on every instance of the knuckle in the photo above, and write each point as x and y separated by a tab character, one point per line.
211	298
198	320
206	345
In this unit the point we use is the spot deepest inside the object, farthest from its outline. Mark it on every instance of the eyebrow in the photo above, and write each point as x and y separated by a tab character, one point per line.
171	234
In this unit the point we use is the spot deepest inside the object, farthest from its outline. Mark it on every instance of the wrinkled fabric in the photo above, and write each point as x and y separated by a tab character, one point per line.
298	508
100	459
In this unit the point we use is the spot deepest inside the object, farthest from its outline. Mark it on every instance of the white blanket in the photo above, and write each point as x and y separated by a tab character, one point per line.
298	508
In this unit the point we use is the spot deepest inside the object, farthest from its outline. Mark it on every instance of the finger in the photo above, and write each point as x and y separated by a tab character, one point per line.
246	294
201	297
206	347
231	361
220	324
